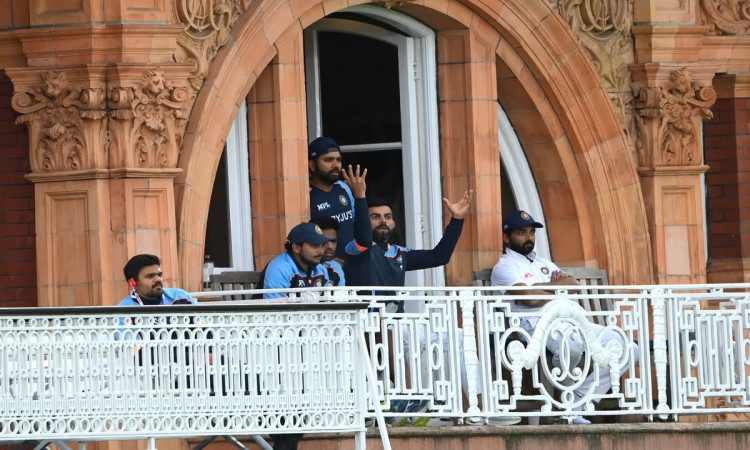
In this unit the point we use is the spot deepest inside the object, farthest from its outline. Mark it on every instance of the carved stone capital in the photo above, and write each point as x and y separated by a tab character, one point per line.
670	103
604	29
207	25
148	110
64	111
727	16
86	120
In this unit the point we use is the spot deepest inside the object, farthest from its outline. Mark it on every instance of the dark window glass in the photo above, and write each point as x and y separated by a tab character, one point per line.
217	227
359	89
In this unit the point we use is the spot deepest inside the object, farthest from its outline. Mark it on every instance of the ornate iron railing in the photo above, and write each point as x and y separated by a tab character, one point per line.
255	367
82	374
681	350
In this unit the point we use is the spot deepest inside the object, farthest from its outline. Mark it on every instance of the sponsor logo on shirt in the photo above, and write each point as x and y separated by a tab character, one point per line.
324	205
344	216
528	275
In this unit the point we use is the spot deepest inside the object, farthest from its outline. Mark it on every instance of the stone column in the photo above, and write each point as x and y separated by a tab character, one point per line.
671	101
105	106
103	171
468	140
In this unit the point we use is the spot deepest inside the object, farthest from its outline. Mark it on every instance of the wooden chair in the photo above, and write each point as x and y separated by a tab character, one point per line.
587	277
481	277
592	277
235	280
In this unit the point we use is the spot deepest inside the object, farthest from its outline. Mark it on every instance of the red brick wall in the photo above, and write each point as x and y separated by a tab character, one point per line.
727	152
17	233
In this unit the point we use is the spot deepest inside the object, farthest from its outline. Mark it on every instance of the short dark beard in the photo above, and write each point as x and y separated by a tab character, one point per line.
521	248
324	176
381	237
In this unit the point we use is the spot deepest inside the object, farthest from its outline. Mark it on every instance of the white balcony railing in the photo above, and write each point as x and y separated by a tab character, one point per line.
256	367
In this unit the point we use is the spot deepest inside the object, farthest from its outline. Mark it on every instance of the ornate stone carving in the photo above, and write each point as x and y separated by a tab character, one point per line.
207	27
727	16
669	120
55	110
603	28
152	116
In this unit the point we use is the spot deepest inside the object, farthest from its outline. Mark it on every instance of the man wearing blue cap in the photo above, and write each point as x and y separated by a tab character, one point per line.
299	266
520	266
329	196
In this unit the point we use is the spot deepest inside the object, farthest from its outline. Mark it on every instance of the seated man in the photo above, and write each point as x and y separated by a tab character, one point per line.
299	266
330	227
144	276
373	261
520	266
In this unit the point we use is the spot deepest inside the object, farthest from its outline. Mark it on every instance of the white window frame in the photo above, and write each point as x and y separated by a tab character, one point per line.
521	179
239	201
420	146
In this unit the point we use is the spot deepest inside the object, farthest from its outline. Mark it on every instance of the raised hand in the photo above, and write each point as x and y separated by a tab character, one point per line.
355	180
459	209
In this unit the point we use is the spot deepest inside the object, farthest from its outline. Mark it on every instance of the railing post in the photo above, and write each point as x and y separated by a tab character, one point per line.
658	299
471	360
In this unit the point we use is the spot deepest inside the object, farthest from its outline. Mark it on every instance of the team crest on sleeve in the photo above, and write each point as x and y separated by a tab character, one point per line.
344	199
545	270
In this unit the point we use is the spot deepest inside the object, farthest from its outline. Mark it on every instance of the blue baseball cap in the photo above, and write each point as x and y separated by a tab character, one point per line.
307	232
519	219
321	146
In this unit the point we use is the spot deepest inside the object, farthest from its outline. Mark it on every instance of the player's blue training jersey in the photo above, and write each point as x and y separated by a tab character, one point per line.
339	204
284	272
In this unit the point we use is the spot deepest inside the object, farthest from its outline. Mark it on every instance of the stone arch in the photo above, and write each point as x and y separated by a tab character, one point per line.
579	129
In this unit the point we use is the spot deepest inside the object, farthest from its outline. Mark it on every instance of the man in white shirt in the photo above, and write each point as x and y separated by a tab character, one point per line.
520	266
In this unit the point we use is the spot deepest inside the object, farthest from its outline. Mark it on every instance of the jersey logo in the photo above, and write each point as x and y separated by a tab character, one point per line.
545	270
344	199
400	262
301	283
529	275
318	282
322	206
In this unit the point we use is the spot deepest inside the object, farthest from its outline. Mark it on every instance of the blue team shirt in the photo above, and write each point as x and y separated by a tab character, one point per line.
168	297
335	273
284	272
338	204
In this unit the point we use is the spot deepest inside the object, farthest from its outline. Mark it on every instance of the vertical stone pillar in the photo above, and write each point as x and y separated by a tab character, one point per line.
278	148
64	111
104	135
727	150
469	143
671	101
103	171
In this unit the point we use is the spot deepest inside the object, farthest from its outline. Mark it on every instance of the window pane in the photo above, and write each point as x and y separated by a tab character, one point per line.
359	89
217	228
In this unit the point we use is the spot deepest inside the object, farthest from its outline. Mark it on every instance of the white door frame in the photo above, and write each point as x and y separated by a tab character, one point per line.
521	179
420	146
239	201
